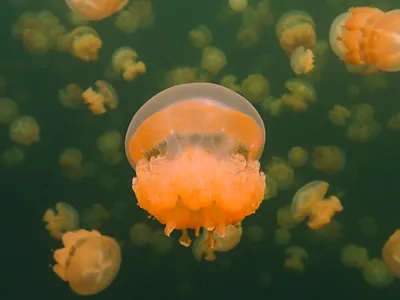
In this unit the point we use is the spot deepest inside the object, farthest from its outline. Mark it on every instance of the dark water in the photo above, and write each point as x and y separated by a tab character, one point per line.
370	179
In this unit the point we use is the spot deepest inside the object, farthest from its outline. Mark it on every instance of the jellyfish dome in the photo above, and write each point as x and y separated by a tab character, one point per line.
195	149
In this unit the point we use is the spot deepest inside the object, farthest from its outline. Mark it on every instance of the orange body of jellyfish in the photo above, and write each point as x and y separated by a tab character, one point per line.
96	9
367	36
89	261
195	148
391	253
309	202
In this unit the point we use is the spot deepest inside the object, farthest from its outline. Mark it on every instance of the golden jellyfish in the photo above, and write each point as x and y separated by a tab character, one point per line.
295	29
95	216
71	162
230	82
285	219
160	243
297	256
302	60
13	156
24	130
354	256
9	110
71	96
298	156
96	9
238	5
272	106
209	242
89	261
281	172
328	159
140	234
301	94
124	61
377	274
85	43
309	202
339	115
282	237
393	123
64	219
173	142
391	253
255	88
367	36
98	99
200	37
109	144
213	60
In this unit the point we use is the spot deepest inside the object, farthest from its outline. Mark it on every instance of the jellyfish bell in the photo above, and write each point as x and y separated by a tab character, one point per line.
195	148
391	253
89	261
96	9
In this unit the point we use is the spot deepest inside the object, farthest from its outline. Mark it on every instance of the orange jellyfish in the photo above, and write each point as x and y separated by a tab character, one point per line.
66	218
102	96
369	37
309	202
96	9
195	148
391	253
89	261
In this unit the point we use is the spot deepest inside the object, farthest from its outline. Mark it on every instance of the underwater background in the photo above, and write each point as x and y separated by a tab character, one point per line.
33	177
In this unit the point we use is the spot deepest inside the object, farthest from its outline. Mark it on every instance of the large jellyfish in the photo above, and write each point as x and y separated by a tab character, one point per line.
89	261
195	148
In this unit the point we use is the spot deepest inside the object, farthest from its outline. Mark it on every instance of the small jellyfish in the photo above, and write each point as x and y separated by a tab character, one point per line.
377	274
9	110
302	60
354	256
367	36
297	256
282	237
24	130
84	43
391	253
203	247
255	88
103	96
295	29
66	218
309	202
200	37
173	142
298	156
96	9
213	60
301	94
140	234
89	261
124	62
328	159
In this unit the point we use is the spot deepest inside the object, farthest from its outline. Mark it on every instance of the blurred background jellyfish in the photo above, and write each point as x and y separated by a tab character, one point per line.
309	202
64	219
96	9
173	142
367	37
295	261
88	261
202	247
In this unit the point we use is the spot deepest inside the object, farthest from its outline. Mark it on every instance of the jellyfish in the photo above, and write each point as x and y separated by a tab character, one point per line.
296	29
200	37
104	96
89	261
301	94
203	248
140	234
328	159
377	273
354	256
309	201
124	62
255	88
96	9
295	262
298	156
66	218
282	237
213	60
195	148
391	253
71	162
339	115
302	60
9	110
366	36
84	43
24	130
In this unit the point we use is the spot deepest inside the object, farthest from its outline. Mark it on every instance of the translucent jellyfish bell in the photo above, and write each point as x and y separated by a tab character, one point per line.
177	111
195	148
